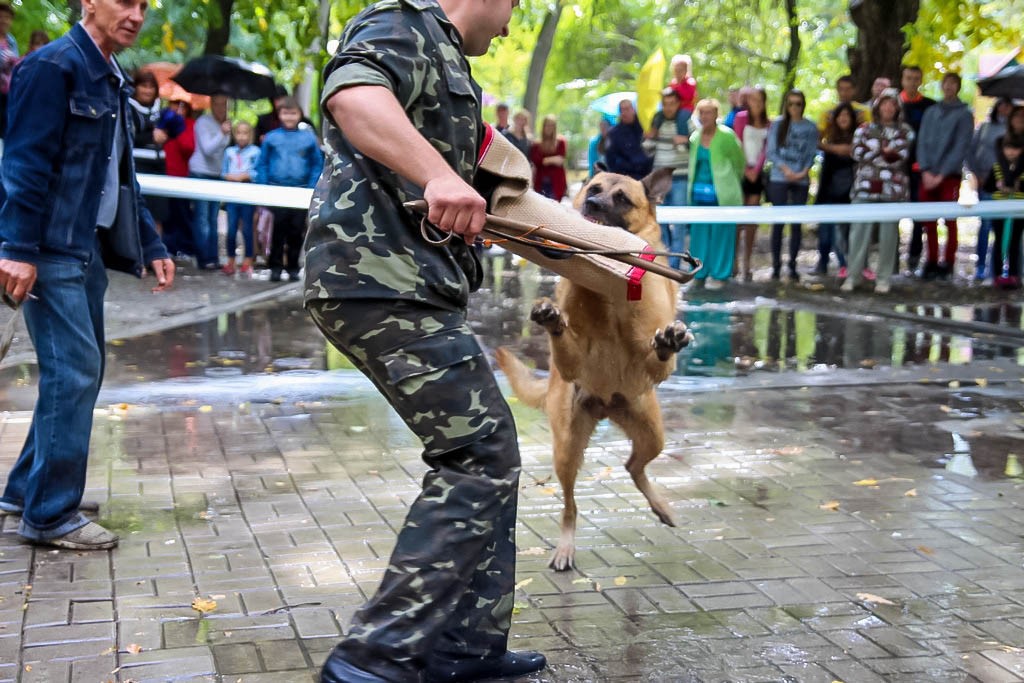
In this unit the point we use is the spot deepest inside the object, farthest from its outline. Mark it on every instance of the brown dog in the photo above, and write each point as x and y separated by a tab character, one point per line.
606	356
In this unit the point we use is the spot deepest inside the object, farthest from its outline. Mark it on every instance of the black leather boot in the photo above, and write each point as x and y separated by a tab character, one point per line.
447	669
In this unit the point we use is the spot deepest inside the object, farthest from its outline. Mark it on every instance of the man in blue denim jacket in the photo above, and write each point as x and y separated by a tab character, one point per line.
73	207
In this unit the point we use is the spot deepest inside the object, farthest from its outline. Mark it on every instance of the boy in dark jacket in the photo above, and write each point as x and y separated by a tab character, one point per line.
1006	182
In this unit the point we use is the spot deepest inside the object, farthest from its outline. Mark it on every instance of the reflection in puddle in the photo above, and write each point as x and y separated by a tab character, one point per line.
732	339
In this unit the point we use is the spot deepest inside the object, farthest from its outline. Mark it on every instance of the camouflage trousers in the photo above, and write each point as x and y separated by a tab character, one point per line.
449	584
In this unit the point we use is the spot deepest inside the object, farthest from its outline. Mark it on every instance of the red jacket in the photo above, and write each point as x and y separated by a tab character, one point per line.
179	150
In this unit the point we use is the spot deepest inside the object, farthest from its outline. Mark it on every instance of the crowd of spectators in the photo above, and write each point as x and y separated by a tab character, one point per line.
919	152
899	146
178	138
183	141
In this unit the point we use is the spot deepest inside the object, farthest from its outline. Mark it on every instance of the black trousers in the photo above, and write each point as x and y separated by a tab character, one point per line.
286	239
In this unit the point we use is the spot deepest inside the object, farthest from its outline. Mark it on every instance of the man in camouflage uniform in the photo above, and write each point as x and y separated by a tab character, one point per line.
404	123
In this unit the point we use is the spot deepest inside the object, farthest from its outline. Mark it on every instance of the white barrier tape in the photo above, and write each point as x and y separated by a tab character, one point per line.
299	198
838	213
224	191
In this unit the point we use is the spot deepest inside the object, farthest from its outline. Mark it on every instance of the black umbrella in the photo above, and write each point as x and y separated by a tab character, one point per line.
1007	82
236	78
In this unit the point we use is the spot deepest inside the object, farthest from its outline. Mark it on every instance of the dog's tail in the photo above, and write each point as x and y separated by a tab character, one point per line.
528	388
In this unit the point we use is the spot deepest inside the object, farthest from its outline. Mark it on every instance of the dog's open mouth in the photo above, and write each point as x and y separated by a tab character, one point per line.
601	220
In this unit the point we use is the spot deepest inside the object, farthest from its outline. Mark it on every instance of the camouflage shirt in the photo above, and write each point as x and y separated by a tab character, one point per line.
361	242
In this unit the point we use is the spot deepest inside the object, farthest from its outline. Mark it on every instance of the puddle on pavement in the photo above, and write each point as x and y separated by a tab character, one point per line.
277	345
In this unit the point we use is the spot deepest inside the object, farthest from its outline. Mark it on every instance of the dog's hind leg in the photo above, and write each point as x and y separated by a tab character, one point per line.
571	434
642	423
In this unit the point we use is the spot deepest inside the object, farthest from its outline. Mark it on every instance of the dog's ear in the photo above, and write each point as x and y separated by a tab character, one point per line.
657	185
600	167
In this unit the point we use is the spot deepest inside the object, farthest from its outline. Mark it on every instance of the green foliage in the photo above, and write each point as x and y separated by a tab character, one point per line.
949	34
52	16
599	47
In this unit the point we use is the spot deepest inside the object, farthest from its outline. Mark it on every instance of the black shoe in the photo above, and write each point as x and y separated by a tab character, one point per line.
275	274
445	669
775	273
793	275
943	271
293	276
930	271
337	670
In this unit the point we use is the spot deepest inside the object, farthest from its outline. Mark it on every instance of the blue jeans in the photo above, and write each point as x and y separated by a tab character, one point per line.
674	234
66	327
981	270
243	213
831	239
204	229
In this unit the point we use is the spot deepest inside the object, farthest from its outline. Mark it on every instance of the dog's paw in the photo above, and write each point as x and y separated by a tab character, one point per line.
547	315
670	340
562	559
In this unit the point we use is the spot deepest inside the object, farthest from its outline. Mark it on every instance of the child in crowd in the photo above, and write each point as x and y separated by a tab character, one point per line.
1006	182
240	167
290	157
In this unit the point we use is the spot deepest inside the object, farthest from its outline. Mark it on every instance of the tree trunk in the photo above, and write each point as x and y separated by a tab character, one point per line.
880	40
794	47
539	60
218	33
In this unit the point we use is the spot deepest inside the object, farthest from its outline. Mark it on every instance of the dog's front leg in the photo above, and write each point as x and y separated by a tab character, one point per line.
665	344
565	351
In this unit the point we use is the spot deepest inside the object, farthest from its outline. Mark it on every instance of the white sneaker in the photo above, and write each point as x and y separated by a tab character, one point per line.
847	285
882	288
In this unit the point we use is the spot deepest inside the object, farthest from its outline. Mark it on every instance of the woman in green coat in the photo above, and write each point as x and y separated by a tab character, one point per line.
716	170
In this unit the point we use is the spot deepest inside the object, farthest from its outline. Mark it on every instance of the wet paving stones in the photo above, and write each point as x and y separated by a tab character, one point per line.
822	536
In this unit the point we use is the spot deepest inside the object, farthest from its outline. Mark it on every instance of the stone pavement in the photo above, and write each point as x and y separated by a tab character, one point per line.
819	539
832	527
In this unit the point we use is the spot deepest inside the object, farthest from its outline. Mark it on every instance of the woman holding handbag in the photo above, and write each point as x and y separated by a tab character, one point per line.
716	169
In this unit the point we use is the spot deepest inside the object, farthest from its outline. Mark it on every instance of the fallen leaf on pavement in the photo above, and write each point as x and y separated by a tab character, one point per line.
912	493
981	382
869	597
620	580
550	490
866	482
925	549
203	605
532	551
524	583
832	505
583	580
134	648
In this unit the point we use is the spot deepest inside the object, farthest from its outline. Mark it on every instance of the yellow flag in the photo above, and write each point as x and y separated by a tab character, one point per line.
649	84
